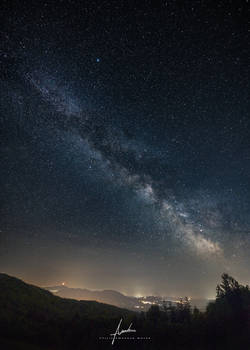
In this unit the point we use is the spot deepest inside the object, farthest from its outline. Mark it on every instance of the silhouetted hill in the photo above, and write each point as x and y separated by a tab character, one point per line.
120	300
32	318
30	312
104	296
18	295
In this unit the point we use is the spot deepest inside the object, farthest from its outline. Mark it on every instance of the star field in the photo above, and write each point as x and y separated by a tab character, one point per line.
125	138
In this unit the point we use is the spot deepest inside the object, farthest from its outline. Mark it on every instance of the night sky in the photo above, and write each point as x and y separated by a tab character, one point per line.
125	144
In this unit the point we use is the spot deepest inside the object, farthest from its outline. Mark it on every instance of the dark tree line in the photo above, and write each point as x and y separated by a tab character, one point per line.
224	325
31	318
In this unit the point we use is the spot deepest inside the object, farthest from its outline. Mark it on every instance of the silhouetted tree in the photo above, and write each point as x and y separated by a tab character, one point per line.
227	286
34	316
153	313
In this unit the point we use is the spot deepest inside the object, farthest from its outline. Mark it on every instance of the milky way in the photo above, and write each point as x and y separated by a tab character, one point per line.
131	148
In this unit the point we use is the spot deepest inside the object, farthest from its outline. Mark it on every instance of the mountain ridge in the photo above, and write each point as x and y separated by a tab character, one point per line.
118	299
32	314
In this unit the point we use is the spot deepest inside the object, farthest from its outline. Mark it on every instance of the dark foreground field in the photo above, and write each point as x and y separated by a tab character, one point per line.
32	318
